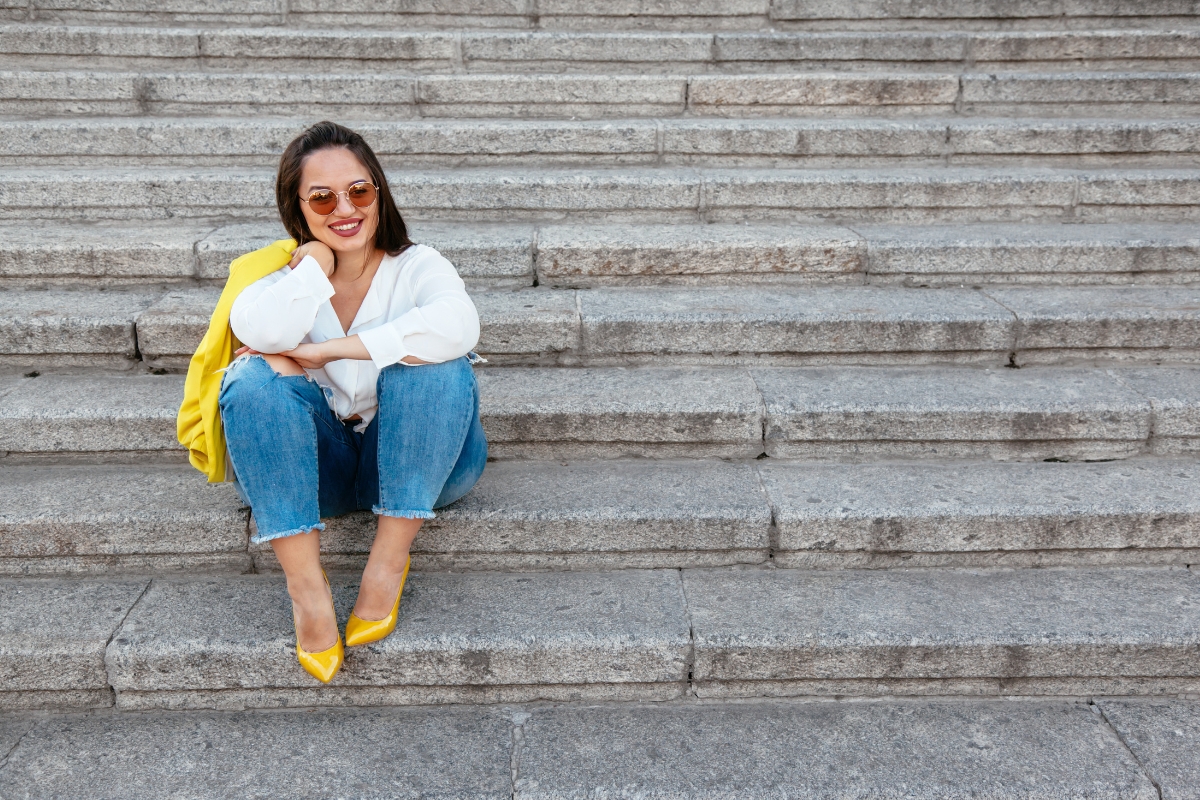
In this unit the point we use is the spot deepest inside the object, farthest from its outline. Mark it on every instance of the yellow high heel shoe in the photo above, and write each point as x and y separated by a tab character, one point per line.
365	631
325	664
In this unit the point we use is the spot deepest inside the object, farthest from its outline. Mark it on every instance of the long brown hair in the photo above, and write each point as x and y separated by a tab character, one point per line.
391	234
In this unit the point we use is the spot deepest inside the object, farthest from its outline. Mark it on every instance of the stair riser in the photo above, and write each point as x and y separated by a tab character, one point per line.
587	97
920	196
797	143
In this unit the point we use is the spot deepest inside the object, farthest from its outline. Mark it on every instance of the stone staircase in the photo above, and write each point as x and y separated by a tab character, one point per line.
843	395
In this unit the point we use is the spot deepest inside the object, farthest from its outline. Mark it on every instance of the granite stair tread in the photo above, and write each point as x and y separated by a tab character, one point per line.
1073	413
226	641
581	515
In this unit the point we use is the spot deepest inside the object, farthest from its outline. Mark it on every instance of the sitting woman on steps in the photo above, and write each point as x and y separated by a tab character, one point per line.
354	387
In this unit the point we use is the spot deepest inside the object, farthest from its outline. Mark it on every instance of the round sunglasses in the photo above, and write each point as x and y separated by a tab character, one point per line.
325	201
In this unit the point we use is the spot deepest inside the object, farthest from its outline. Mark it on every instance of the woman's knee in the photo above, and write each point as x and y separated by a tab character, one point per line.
448	377
250	379
282	364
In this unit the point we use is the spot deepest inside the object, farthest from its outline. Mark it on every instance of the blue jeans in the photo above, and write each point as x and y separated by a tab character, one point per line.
296	462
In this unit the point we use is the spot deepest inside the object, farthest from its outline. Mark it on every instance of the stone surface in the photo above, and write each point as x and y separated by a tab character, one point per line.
803	93
1160	90
575	514
75	511
61	323
527	322
55	413
72	251
1175	394
986	508
656	251
808	322
1032	253
372	753
1165	738
68	655
791	626
782	749
657	411
1030	414
564	628
1122	322
175	324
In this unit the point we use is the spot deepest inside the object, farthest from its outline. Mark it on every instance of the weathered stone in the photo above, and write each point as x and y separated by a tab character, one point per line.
804	93
1032	253
866	509
609	412
654	251
550	95
218	249
1175	396
579	514
527	322
764	49
96	41
56	413
1164	737
1152	194
71	251
1082	89
56	324
499	51
1123	323
68	655
374	753
563	628
1084	45
1068	137
789	626
788	749
171	329
1027	414
810	323
331	46
66	512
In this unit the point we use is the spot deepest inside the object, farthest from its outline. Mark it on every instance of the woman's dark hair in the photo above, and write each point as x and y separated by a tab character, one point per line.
391	234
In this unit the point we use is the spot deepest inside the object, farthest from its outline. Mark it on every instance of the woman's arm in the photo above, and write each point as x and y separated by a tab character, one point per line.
443	326
315	356
272	315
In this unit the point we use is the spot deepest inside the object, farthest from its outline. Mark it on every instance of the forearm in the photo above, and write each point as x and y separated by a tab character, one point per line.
352	347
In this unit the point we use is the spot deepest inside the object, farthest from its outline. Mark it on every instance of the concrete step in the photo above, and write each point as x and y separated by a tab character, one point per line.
699	412
630	514
625	14
404	144
226	642
380	95
152	253
1005	750
651	325
923	195
26	45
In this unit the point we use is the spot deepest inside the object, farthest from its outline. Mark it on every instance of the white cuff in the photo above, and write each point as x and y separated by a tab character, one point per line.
310	274
384	344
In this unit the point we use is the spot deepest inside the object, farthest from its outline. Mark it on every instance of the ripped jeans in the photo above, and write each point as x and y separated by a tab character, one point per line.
296	462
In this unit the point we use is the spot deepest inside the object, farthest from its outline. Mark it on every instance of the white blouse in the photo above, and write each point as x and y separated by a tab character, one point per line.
416	305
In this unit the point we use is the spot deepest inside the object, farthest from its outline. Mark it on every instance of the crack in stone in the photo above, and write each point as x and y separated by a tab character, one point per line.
1099	709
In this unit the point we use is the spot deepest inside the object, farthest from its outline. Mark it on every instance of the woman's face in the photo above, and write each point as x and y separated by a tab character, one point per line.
348	229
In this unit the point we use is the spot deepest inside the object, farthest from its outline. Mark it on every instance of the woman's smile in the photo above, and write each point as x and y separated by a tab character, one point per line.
346	227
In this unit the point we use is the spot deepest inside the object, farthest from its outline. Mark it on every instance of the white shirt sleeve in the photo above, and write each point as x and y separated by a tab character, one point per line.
443	326
275	313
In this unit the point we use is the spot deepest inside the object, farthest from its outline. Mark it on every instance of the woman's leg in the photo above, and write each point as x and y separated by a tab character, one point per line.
425	436
292	460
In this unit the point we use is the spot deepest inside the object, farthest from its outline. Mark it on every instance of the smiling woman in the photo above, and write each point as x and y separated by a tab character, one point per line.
353	388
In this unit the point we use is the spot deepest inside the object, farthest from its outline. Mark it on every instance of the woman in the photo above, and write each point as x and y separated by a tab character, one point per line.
354	389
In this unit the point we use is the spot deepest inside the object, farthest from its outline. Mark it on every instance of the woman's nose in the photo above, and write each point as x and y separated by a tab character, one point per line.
344	207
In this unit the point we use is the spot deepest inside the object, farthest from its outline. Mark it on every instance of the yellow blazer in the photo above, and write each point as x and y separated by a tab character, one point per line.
199	422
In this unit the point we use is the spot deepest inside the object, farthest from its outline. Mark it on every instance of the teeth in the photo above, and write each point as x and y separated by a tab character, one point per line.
346	227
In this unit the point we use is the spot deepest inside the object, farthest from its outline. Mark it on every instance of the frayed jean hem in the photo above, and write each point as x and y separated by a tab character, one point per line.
259	538
383	512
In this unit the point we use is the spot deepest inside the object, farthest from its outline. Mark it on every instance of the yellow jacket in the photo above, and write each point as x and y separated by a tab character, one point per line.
199	422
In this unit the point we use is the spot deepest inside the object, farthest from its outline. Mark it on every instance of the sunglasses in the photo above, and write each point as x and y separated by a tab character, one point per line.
325	201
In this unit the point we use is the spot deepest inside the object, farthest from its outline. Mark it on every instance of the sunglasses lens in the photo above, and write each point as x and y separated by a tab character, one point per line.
361	194
322	202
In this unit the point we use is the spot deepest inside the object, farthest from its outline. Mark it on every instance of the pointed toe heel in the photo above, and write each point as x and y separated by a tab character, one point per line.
364	631
325	664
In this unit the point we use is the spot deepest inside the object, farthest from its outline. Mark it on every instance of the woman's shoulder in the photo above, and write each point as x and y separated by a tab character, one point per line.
422	257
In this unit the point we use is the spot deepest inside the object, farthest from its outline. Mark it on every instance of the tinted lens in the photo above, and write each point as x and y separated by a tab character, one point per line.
361	194
322	202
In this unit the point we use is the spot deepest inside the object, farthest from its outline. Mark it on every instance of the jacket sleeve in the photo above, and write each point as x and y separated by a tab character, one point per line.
443	326
275	313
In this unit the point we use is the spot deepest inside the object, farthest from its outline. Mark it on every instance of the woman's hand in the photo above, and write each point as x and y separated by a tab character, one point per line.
312	356
317	250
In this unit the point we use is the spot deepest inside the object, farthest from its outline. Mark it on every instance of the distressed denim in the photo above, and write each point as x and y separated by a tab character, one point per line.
296	462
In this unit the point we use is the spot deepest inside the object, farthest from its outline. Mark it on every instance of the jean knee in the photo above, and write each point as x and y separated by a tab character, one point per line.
448	376
247	380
